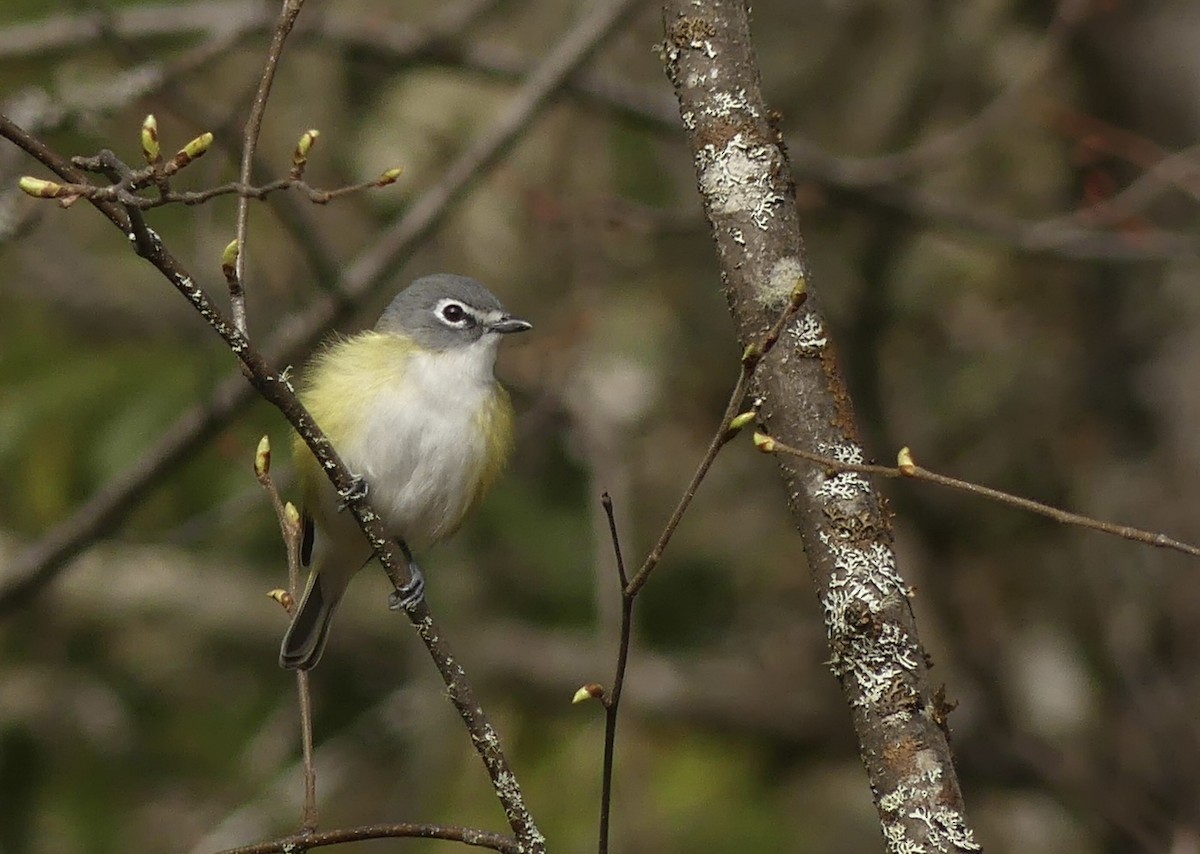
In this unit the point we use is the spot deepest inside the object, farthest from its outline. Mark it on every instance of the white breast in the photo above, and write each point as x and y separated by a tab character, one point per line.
422	448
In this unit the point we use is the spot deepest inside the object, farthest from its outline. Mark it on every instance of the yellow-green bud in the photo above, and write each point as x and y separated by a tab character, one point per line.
282	597
39	188
291	514
198	146
764	443
389	177
262	458
800	292
741	420
303	147
229	259
590	691
150	147
905	462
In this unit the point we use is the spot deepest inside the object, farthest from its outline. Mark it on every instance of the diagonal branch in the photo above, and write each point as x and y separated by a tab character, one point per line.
275	387
39	564
744	182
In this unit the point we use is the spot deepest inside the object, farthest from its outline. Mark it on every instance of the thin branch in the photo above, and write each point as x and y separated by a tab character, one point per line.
237	283
909	469
465	835
750	360
292	532
612	701
743	179
123	193
39	564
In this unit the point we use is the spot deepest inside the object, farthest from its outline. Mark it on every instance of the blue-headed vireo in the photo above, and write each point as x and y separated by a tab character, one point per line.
414	409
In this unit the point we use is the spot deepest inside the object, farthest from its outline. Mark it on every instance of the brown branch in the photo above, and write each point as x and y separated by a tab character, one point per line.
237	288
726	430
41	563
743	177
751	358
612	700
909	469
123	192
466	835
292	532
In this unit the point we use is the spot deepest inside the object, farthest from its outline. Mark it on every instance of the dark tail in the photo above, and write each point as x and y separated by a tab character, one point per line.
306	636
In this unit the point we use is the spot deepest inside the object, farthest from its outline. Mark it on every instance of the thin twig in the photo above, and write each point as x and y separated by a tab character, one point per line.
612	701
237	290
915	472
122	191
292	532
750	360
465	835
725	431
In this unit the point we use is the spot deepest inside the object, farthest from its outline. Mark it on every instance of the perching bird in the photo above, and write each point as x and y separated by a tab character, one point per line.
413	408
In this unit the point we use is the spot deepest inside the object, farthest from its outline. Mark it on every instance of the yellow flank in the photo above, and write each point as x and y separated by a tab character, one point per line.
339	384
496	423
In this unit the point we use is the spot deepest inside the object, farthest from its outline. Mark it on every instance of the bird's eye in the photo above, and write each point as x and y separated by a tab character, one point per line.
453	312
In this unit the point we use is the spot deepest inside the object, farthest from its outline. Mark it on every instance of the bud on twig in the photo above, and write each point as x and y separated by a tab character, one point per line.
764	443
283	598
590	691
906	463
262	458
192	151
303	147
150	147
389	177
229	260
741	420
39	188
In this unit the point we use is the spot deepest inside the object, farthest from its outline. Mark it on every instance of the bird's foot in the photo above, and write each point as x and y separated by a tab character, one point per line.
412	592
357	490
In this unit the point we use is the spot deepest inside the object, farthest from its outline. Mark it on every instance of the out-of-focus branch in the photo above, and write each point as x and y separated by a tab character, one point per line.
872	180
39	564
465	835
745	184
258	109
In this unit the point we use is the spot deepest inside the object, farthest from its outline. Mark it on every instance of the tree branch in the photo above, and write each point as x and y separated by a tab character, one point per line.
744	181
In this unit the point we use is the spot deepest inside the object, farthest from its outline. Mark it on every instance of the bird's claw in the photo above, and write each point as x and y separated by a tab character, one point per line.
356	490
411	593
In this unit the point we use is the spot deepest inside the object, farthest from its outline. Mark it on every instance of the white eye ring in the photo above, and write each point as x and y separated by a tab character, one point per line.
454	314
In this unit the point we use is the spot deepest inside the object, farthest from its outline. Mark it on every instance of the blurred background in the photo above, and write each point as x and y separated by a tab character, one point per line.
999	204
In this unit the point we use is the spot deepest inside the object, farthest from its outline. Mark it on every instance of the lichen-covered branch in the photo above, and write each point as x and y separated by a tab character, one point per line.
744	180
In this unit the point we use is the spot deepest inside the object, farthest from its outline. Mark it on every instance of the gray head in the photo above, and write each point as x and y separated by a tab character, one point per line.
444	310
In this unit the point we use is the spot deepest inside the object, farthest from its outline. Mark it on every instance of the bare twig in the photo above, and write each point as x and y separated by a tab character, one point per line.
466	835
41	563
612	700
730	425
123	192
237	284
291	530
909	469
751	358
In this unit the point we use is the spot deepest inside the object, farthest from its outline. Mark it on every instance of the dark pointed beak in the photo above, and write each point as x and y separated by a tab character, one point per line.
508	324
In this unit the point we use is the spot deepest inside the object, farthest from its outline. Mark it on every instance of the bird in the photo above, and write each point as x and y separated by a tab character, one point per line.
414	409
